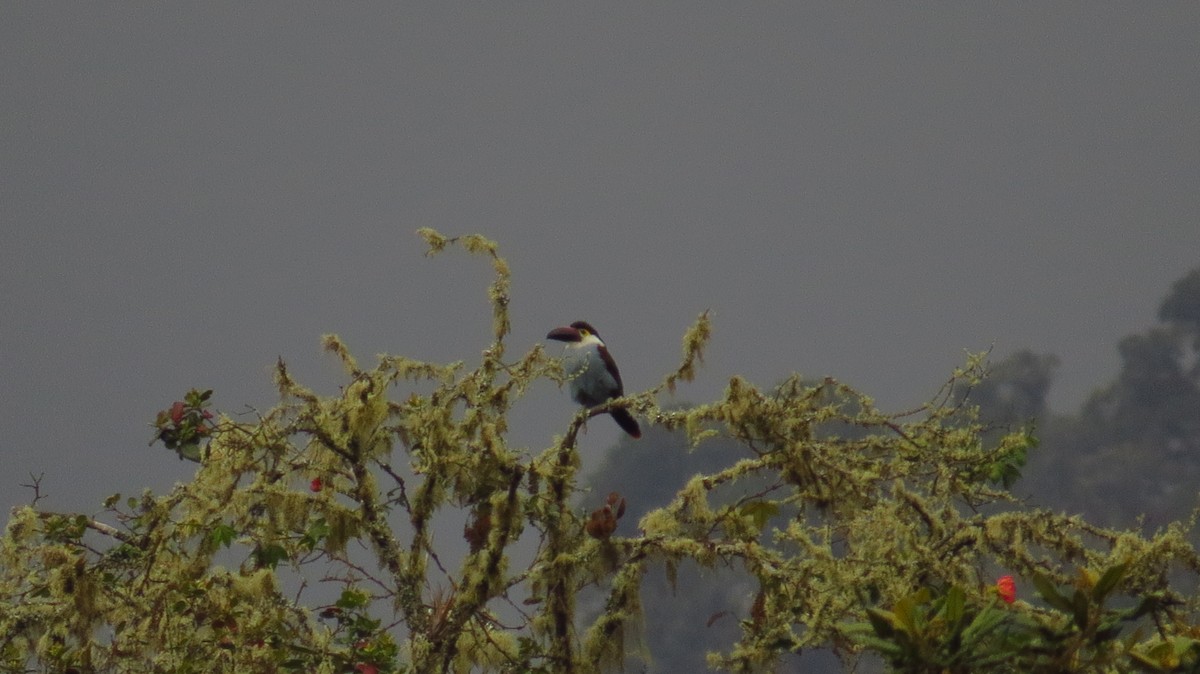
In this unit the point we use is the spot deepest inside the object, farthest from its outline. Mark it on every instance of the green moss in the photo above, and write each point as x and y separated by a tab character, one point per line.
832	509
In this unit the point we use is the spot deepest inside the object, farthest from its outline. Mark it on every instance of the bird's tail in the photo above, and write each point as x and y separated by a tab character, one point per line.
627	423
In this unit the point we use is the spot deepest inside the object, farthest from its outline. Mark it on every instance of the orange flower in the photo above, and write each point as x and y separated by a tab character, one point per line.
1007	588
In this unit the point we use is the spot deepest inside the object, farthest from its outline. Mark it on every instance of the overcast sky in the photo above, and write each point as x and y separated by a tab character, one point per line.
189	191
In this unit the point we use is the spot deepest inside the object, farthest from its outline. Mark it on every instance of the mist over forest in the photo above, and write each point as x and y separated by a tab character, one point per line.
1130	456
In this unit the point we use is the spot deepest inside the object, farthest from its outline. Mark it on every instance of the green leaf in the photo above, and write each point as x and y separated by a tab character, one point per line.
907	610
760	512
221	535
270	555
190	451
352	598
1079	607
884	622
955	602
1050	593
318	529
1108	581
983	623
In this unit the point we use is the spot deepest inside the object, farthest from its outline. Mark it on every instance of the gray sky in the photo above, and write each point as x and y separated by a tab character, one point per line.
856	190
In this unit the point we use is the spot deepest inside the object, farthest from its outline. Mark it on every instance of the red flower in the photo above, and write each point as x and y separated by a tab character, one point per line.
1007	588
316	484
366	668
177	412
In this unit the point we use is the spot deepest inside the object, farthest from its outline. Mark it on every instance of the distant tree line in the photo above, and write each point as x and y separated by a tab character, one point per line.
1132	452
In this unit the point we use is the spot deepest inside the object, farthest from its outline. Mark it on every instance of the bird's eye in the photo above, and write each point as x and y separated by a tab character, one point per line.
583	332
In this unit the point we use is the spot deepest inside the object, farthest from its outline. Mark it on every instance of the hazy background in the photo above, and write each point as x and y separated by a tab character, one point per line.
188	192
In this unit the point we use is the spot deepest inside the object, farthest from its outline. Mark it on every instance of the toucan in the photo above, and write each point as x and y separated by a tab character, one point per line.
594	378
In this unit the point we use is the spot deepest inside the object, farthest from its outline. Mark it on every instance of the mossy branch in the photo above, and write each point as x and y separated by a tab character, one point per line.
831	511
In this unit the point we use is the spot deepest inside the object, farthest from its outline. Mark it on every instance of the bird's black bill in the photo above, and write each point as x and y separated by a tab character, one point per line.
564	334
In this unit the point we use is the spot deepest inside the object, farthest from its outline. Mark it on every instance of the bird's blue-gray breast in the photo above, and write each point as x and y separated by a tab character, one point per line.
590	382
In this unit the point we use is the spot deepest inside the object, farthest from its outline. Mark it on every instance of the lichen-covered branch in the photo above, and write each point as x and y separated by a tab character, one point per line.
314	537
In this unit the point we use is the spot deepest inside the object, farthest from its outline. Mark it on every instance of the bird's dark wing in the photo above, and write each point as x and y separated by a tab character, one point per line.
611	365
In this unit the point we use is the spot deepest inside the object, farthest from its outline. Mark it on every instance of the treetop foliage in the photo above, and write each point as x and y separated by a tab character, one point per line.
312	538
